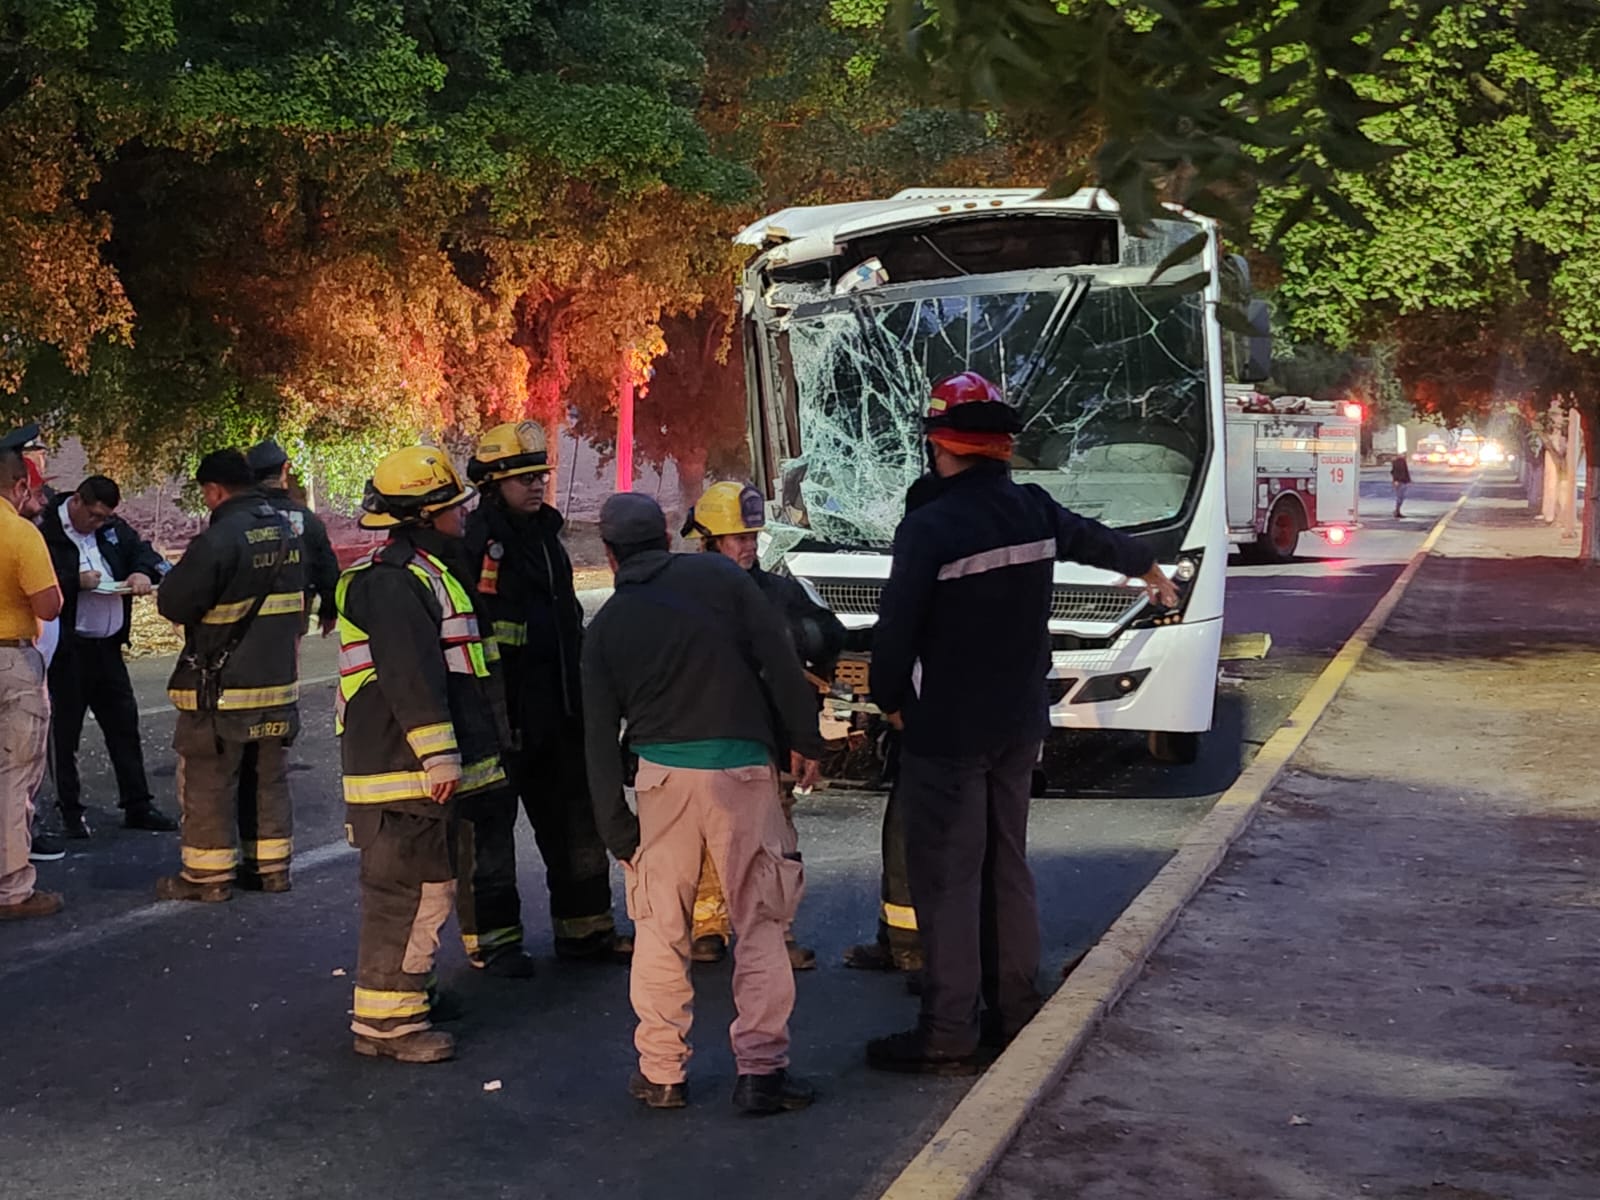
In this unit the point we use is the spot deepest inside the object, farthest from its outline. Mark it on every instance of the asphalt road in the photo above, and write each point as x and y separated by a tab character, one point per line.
165	1050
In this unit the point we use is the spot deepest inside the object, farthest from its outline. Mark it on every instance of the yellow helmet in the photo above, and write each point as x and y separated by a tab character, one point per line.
515	448
726	508
410	485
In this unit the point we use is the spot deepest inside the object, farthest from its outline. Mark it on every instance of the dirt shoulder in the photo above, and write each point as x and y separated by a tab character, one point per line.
1390	987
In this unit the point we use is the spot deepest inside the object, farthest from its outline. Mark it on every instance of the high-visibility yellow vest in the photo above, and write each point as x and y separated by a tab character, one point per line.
465	650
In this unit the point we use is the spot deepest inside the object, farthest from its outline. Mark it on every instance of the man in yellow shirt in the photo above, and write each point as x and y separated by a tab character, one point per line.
28	595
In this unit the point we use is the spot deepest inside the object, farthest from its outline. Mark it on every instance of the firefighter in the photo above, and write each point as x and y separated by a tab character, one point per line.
416	717
728	518
960	655
272	467
238	592
524	584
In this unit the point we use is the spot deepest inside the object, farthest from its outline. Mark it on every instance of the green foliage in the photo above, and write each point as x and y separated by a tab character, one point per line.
343	220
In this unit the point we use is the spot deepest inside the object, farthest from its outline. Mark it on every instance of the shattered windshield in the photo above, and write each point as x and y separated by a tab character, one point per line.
1110	384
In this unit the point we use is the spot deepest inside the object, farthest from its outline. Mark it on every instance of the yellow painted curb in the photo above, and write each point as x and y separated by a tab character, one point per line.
960	1156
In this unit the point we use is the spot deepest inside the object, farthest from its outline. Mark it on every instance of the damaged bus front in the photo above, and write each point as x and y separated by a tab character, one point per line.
851	312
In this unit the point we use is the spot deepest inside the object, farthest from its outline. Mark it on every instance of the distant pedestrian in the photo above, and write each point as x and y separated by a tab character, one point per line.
95	551
695	661
29	595
960	656
239	595
1400	474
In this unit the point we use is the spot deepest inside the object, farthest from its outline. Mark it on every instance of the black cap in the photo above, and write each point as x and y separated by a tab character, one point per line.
18	438
266	456
631	519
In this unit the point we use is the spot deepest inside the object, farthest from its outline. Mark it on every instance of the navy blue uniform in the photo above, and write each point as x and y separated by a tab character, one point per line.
962	651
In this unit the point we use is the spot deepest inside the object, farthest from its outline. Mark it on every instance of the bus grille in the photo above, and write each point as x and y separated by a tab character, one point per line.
1069	602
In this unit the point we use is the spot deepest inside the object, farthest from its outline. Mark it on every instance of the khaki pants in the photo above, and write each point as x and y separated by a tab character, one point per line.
711	906
24	737
736	817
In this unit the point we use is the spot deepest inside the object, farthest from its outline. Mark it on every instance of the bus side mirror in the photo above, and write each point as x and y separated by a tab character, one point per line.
1257	365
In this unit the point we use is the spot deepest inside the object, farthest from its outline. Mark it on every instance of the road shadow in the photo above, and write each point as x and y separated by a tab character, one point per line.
1104	764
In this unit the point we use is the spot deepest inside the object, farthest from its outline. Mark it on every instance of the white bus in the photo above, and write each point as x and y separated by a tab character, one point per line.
852	311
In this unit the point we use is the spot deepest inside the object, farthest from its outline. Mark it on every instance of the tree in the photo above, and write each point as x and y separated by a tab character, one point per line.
338	220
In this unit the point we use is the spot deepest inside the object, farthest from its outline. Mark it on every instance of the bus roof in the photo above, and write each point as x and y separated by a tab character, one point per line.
813	231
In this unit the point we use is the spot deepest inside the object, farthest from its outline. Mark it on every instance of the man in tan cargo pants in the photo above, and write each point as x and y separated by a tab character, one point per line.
696	662
28	594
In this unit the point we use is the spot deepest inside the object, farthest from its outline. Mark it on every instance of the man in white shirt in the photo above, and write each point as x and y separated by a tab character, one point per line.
101	564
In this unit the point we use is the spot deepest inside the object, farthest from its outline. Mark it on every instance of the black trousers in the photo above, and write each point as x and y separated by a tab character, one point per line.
897	916
88	675
967	857
553	782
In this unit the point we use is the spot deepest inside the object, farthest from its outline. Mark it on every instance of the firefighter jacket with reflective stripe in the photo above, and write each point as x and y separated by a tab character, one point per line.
321	564
962	643
213	588
415	682
523	578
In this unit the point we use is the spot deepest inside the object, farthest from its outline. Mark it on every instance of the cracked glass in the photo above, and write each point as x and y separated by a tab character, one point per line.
1109	382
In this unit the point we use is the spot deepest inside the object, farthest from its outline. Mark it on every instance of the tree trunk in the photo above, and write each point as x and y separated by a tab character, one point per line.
1551	473
691	476
1589	553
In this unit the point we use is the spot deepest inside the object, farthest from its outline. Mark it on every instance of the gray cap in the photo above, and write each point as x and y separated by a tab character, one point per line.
629	518
266	456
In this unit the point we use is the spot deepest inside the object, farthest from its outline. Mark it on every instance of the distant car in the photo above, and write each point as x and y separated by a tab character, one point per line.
1492	452
1431	453
1462	458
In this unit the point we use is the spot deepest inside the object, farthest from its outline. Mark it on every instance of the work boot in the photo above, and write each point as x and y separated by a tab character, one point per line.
605	946
801	958
878	956
908	1054
658	1095
423	1046
38	904
148	816
176	887
273	881
511	963
761	1095
75	826
711	948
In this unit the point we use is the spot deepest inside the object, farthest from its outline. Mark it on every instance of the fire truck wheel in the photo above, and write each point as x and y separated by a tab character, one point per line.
1285	524
1180	749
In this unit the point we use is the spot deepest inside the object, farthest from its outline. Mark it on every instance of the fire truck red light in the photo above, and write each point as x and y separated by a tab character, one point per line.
1338	535
1352	412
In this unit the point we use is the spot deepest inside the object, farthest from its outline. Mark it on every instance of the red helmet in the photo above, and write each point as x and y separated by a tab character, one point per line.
970	403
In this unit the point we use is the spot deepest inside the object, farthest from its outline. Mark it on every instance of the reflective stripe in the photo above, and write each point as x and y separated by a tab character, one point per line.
268	850
1003	556
275	605
492	939
234	699
899	916
582	927
383	1006
511	633
355	657
428	740
198	859
392	786
459	629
